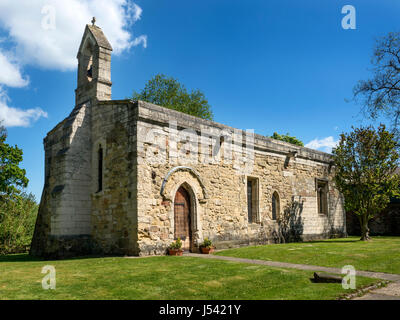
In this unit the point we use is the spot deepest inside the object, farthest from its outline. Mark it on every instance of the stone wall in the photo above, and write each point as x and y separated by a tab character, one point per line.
114	208
65	208
220	211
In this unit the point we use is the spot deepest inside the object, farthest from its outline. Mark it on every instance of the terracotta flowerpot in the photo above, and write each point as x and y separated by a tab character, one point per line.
206	250
175	252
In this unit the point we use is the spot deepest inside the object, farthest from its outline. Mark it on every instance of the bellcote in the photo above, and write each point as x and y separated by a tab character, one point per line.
94	66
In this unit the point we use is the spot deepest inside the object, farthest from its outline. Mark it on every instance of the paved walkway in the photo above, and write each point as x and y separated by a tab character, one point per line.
390	292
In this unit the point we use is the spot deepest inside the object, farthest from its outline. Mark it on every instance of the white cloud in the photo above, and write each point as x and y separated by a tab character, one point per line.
141	39
13	117
47	33
324	144
10	74
137	12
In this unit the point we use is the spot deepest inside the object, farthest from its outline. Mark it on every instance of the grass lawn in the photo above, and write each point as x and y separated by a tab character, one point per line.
381	254
161	277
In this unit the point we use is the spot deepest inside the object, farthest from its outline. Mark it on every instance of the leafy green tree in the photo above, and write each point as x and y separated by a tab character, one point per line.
168	92
11	175
17	223
365	164
380	95
287	138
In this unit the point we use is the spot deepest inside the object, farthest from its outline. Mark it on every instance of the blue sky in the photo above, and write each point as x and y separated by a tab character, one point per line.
284	66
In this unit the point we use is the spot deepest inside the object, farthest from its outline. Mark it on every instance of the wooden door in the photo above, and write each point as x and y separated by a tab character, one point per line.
182	218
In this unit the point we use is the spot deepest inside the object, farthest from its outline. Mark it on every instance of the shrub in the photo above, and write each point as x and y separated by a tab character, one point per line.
207	243
287	138
17	223
176	245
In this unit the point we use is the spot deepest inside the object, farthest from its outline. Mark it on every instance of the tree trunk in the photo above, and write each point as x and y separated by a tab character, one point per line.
364	229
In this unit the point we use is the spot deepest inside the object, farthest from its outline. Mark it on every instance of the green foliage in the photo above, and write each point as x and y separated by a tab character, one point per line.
176	245
207	243
287	138
17	211
365	164
11	176
17	223
168	92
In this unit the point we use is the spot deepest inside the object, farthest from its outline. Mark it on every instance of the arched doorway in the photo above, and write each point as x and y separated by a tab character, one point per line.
182	218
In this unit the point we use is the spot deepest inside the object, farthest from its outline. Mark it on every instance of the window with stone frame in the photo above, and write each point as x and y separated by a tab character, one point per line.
100	169
322	196
275	206
252	199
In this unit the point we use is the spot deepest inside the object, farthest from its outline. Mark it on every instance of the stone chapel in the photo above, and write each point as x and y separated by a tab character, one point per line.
127	177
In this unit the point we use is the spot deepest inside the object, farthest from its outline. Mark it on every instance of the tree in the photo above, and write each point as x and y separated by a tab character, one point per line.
17	223
11	175
287	138
169	93
381	94
365	163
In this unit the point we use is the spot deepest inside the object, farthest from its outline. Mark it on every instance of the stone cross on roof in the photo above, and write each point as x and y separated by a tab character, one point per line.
93	21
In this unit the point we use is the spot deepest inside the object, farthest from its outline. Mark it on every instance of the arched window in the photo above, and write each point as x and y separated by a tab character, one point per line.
100	169
275	205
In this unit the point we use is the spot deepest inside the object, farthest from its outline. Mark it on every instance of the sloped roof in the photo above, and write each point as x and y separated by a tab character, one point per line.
100	37
97	35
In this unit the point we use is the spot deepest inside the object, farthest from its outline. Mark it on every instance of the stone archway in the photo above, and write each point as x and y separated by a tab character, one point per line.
192	172
190	180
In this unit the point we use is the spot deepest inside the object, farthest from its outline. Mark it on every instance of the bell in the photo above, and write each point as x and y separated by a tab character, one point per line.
89	74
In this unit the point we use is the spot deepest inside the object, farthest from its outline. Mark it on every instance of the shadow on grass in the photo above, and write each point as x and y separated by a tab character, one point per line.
19	257
24	257
333	241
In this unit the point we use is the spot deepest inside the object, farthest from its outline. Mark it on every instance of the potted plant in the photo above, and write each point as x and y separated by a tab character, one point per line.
207	247
175	249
